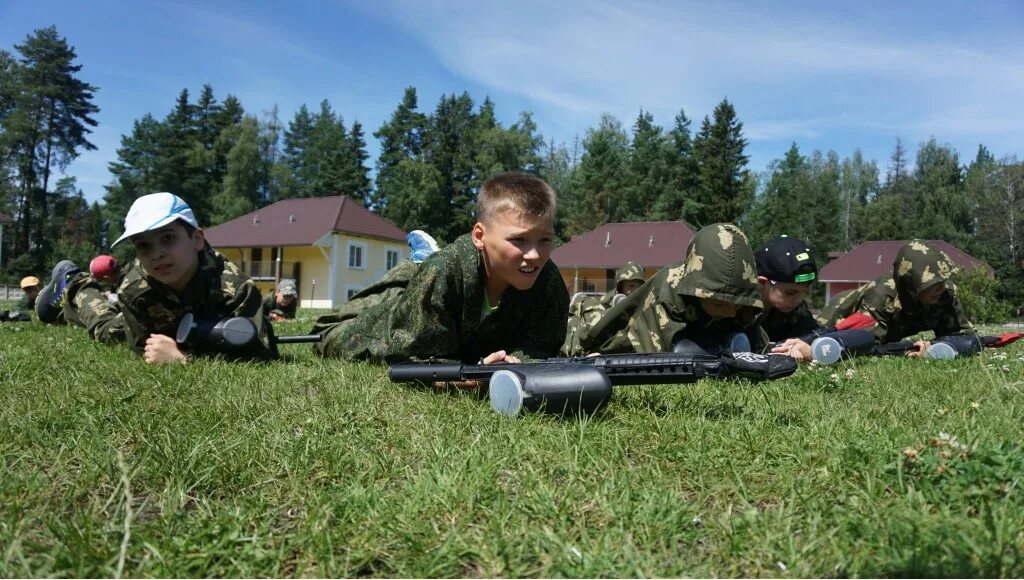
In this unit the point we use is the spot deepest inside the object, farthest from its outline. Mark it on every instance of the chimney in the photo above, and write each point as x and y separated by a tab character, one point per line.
608	239
650	242
879	260
291	218
255	219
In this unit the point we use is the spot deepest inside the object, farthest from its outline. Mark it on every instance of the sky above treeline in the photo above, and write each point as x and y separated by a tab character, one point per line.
827	75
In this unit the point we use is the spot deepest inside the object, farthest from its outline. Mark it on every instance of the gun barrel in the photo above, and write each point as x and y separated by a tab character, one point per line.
298	338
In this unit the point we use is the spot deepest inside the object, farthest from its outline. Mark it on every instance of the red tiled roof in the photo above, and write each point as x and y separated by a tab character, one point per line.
652	244
870	260
300	222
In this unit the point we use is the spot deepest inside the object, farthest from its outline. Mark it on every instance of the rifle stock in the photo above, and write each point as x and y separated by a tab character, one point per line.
584	384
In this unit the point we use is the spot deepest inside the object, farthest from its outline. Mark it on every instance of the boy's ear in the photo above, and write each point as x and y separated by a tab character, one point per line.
199	238
763	280
478	235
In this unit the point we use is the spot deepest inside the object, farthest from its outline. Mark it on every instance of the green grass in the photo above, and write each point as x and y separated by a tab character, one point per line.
308	467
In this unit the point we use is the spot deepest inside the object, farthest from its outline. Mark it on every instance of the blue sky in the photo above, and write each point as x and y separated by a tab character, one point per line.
824	74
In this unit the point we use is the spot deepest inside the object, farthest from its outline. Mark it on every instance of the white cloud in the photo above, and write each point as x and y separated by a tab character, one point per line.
795	75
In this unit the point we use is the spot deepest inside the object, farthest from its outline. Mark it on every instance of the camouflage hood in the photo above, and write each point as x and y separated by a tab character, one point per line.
719	265
630	271
918	267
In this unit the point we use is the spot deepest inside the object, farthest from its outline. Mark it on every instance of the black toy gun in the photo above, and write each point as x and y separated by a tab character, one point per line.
232	336
584	384
829	345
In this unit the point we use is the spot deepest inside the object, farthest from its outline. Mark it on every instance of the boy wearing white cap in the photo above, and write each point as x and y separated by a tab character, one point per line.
175	272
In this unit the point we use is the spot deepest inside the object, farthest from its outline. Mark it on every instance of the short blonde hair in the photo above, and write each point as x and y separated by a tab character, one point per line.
522	193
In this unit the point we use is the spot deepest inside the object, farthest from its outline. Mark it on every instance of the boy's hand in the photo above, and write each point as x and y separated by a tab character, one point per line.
491	359
499	357
795	348
161	349
275	317
922	348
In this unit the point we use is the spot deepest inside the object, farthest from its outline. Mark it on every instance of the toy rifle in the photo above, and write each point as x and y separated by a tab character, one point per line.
231	336
584	384
828	345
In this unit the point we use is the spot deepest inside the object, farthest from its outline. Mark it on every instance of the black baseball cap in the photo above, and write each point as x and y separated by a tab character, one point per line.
786	259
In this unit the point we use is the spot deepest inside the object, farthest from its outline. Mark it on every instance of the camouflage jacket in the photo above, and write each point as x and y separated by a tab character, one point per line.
892	299
26	304
433	310
780	325
270	305
218	290
718	265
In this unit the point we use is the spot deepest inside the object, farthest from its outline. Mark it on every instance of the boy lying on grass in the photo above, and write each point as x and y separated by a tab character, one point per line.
492	295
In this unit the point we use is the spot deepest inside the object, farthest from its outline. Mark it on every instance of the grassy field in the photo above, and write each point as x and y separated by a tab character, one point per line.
307	467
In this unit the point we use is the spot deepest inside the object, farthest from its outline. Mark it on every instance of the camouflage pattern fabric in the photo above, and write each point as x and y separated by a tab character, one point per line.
433	310
26	303
270	306
718	265
779	325
892	299
86	305
218	290
587	310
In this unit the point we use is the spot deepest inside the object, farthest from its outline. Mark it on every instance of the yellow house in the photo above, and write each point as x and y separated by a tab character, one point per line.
332	247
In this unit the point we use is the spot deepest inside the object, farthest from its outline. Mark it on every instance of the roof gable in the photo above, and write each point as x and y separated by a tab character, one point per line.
301	222
651	244
870	260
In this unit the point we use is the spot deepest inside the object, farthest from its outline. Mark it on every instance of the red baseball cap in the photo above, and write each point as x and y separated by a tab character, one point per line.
103	267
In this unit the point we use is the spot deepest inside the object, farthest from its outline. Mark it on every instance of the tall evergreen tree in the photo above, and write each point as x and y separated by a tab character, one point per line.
297	140
650	175
599	178
451	143
245	170
939	201
679	200
859	184
46	124
719	148
401	139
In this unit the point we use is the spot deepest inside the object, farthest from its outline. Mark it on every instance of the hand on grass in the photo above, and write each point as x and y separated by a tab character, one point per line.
922	348
161	349
491	359
796	348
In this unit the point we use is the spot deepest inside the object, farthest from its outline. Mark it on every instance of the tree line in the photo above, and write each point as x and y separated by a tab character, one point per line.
225	161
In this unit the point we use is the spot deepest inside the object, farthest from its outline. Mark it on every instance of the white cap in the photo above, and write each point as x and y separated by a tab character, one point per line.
153	211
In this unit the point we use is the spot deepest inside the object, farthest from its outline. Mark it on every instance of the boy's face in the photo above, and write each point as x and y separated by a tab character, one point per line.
719	308
515	248
628	286
782	296
931	295
284	299
169	254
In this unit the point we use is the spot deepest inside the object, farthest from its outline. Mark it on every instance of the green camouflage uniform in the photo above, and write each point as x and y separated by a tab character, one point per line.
87	305
26	303
270	305
892	299
218	290
718	265
779	325
434	309
587	310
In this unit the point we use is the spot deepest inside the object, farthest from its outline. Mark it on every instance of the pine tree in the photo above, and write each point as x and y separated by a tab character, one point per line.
356	175
599	176
719	149
46	122
297	139
679	200
859	184
938	198
401	139
650	177
245	170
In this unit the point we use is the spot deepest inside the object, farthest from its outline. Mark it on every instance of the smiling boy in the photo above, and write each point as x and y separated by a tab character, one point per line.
492	295
175	272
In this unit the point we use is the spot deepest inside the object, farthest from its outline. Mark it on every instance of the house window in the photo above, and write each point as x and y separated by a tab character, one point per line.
351	291
356	256
393	256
